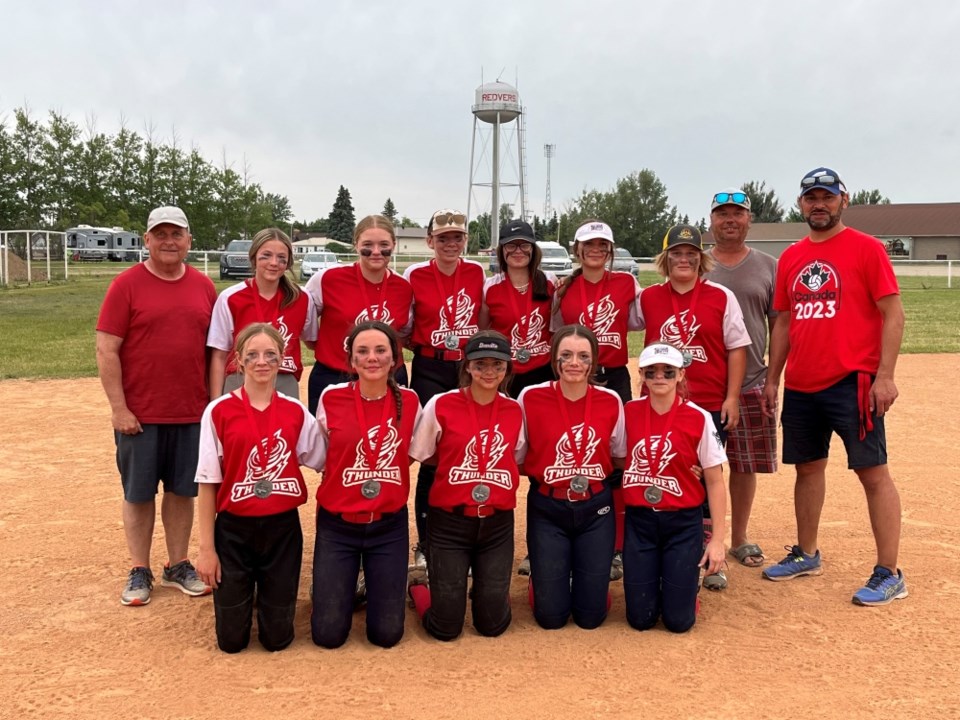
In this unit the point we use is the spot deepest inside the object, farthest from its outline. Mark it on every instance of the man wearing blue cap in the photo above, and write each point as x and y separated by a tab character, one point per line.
838	331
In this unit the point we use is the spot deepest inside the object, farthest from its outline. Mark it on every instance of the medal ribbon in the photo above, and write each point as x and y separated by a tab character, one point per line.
372	452
483	451
579	451
362	282
448	306
681	328
262	458
654	460
261	315
587	315
523	321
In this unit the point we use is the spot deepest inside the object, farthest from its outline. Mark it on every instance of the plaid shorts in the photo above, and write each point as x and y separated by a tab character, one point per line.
752	445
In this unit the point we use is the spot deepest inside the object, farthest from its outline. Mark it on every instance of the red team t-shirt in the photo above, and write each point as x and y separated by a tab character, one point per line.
433	306
551	457
831	289
347	466
164	325
343	299
228	454
237	307
446	428
521	319
692	440
612	308
715	327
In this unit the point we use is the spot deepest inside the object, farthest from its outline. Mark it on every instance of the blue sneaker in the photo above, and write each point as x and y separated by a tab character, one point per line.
882	588
795	564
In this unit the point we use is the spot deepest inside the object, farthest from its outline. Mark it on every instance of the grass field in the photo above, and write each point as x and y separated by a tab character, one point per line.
48	330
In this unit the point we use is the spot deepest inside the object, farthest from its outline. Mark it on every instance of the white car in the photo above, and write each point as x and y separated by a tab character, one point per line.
555	259
315	261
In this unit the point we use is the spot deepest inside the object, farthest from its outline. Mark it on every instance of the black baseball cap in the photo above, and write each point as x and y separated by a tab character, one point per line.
682	235
517	230
823	178
487	346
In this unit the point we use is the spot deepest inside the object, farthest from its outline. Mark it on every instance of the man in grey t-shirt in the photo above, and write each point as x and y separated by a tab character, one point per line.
752	445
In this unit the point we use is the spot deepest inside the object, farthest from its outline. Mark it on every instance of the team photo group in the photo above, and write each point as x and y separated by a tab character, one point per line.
519	382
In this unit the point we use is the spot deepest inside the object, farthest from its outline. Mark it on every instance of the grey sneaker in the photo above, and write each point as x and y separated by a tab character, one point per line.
139	585
524	568
419	558
184	577
616	567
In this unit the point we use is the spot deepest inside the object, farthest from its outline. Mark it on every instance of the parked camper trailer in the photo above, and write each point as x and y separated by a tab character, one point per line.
85	242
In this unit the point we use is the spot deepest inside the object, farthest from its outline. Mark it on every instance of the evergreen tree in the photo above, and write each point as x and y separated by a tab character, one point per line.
869	197
342	221
764	205
390	211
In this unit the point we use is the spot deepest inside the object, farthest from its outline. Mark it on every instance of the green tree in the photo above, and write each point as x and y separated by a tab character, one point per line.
637	210
342	220
390	211
123	176
406	222
869	197
29	174
93	182
280	212
794	215
764	205
478	233
9	202
60	154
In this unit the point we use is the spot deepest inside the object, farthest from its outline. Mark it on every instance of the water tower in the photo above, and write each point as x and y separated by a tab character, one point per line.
497	105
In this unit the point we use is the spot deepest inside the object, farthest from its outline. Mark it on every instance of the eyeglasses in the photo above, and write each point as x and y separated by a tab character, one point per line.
367	252
444	218
669	374
269	357
512	247
737	197
268	257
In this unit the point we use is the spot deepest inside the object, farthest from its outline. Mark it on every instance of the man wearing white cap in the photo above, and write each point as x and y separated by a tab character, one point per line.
151	353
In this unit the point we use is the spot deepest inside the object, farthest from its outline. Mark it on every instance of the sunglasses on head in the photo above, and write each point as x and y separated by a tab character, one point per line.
445	218
829	180
737	197
668	374
367	252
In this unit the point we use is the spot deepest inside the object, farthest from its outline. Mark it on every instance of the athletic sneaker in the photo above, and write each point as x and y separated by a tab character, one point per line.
419	558
524	568
616	567
796	564
360	593
139	585
882	588
184	578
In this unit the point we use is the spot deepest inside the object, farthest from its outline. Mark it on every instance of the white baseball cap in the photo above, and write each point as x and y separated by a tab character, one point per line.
660	354
167	214
591	230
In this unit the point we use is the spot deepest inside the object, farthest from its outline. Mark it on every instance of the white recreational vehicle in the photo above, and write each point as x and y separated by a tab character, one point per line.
85	242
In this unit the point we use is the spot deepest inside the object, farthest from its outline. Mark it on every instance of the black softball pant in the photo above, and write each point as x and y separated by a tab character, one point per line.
258	555
340	548
458	543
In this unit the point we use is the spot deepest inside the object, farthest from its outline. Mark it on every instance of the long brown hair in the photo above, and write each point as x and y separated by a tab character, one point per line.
395	348
579	270
288	287
576	331
538	278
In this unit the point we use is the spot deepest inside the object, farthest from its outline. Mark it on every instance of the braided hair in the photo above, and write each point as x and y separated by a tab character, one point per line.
394	341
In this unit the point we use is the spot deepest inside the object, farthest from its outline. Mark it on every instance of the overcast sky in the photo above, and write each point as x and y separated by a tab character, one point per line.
376	94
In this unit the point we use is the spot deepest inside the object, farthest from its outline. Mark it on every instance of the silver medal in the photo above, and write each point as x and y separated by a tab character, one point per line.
451	342
480	493
262	489
653	494
579	484
687	357
523	355
370	489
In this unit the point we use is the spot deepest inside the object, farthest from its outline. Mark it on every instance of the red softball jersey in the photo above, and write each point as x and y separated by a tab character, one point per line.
348	466
229	454
831	289
446	429
238	307
445	309
344	298
551	456
163	356
692	439
713	328
609	307
521	319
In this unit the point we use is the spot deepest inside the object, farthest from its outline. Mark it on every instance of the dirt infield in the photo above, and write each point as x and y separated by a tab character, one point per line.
68	649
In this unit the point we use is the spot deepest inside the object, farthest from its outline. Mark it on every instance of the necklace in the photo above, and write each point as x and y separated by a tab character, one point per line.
371	399
522	288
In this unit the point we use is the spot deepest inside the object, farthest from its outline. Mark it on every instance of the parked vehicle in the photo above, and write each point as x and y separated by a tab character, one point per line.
235	261
314	262
555	259
622	260
85	242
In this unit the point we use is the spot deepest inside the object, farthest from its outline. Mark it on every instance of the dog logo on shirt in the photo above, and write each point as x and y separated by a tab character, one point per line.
640	474
276	464
384	466
468	472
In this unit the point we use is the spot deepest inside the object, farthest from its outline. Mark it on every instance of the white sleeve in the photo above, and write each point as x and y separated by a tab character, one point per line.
209	468
426	432
312	444
710	450
734	331
314	290
634	316
520	453
309	332
618	441
220	334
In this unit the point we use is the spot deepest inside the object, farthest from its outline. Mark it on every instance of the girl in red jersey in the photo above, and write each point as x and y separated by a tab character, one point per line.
252	443
475	436
517	302
669	441
270	296
575	439
704	320
350	294
362	501
607	303
447	295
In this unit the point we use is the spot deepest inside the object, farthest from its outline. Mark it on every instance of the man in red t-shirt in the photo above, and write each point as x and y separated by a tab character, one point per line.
838	330
151	353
